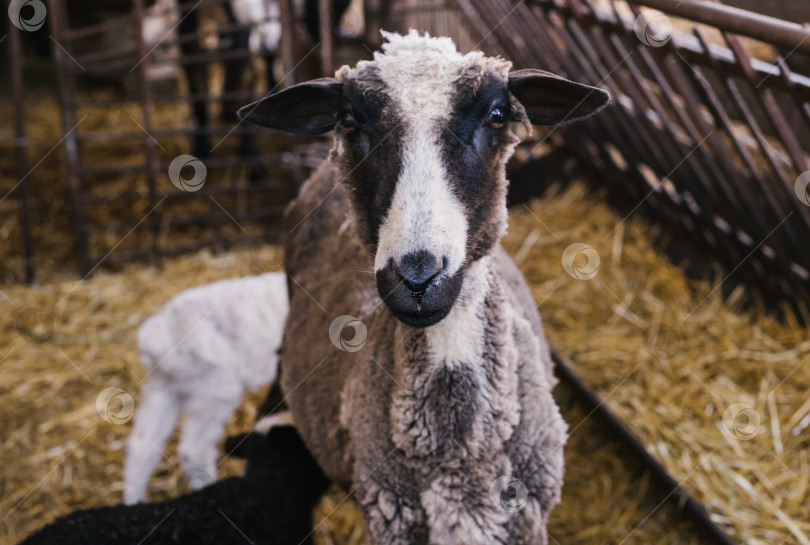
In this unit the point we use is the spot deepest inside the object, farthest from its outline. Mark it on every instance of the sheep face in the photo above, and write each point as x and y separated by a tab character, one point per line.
422	136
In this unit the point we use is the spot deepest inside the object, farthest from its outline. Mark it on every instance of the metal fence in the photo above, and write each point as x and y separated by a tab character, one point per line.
703	137
700	135
138	184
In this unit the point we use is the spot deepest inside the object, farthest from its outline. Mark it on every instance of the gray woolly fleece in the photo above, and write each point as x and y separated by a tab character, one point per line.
420	424
418	442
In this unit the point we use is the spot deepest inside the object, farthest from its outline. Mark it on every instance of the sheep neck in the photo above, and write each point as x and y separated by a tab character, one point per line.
457	380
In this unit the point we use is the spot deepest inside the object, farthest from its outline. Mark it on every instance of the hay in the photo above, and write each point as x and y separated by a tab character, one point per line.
716	393
64	343
670	375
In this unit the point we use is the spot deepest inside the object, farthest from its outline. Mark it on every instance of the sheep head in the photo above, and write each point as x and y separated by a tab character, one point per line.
422	136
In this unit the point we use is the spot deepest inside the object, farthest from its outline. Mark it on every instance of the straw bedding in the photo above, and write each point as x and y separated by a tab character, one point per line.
718	394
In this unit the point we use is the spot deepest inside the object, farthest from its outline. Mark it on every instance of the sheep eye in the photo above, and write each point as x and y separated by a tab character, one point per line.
496	118
349	124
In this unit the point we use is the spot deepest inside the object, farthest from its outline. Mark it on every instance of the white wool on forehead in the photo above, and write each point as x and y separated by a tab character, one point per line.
420	70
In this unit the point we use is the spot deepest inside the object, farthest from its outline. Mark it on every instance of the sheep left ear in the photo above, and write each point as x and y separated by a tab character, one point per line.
307	108
550	99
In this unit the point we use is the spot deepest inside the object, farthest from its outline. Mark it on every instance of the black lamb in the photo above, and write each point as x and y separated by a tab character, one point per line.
271	505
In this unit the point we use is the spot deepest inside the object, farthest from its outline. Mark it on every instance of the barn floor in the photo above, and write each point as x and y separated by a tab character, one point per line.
717	394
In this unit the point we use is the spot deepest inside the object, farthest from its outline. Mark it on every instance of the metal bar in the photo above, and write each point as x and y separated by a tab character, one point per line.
695	179
256	188
289	47
20	145
602	126
467	10
146	118
210	164
124	66
736	20
802	105
675	492
67	93
764	188
71	35
169	251
171	98
209	219
616	131
327	41
643	141
107	136
687	46
768	103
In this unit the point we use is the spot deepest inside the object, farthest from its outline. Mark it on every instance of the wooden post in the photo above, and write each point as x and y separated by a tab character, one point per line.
289	47
326	26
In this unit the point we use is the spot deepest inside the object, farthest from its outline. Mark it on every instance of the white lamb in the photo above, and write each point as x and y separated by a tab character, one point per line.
202	351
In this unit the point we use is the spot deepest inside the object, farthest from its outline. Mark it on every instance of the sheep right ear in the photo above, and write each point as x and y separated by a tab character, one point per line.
307	108
550	99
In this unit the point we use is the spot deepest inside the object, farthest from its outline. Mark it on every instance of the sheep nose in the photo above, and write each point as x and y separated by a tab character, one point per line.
418	269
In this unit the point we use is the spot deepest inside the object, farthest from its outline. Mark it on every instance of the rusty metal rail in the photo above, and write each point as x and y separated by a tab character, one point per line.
762	27
126	207
121	129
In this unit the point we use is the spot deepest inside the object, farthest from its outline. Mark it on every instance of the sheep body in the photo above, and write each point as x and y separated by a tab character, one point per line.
202	351
419	441
438	412
271	505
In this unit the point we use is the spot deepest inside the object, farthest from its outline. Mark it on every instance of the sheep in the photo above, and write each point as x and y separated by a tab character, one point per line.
439	417
202	351
259	31
271	504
